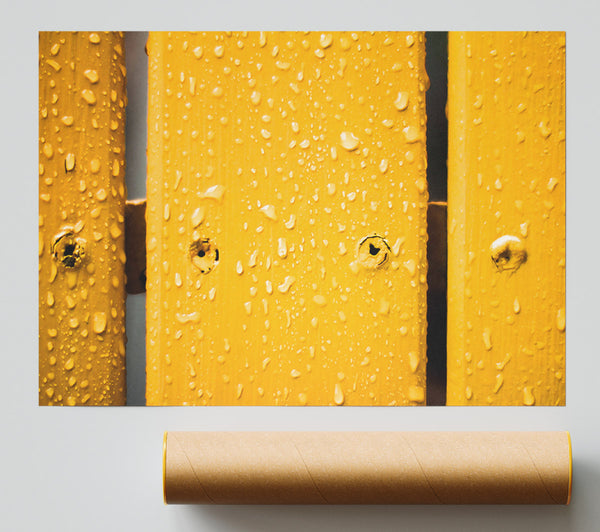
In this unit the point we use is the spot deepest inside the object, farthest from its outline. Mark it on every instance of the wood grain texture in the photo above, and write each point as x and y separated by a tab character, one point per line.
506	219
81	226
271	157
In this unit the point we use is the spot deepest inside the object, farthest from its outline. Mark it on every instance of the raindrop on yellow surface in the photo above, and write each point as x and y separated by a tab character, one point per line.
348	141
338	394
88	96
528	397
416	394
320	300
99	322
91	75
325	40
560	319
269	212
487	338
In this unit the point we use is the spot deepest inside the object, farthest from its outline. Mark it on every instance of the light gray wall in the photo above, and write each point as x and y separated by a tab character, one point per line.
99	469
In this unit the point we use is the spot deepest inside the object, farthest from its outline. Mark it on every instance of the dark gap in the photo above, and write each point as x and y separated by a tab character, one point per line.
373	250
436	64
135	177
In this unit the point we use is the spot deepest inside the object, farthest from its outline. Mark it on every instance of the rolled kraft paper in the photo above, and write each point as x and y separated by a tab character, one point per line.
367	467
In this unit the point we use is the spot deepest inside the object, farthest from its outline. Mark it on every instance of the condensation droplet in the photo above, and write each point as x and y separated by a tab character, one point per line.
528	397
544	129
198	216
255	97
269	212
99	322
487	338
69	162
411	134
215	192
348	141
282	250
325	40
401	101
48	150
413	361
499	382
287	283
320	300
384	307
516	306
91	75
338	394
416	394
88	96
115	231
192	317
561	319
291	222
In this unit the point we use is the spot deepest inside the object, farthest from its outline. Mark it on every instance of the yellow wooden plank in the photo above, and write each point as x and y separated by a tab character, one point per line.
82	197
271	158
506	219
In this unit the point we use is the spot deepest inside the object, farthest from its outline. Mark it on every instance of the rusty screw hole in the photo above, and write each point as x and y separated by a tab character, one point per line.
508	253
204	255
373	251
68	250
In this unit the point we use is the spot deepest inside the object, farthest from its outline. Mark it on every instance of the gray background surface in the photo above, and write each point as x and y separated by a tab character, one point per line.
98	469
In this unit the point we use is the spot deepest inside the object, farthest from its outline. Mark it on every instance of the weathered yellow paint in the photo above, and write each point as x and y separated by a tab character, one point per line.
81	230
283	151
506	219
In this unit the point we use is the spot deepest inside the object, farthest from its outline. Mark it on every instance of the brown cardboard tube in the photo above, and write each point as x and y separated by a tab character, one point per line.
367	467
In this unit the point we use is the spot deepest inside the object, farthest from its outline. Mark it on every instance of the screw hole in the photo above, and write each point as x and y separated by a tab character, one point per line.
373	251
508	253
68	250
204	255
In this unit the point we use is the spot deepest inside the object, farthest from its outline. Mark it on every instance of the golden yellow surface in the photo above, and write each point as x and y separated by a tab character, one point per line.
81	206
279	154
506	219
